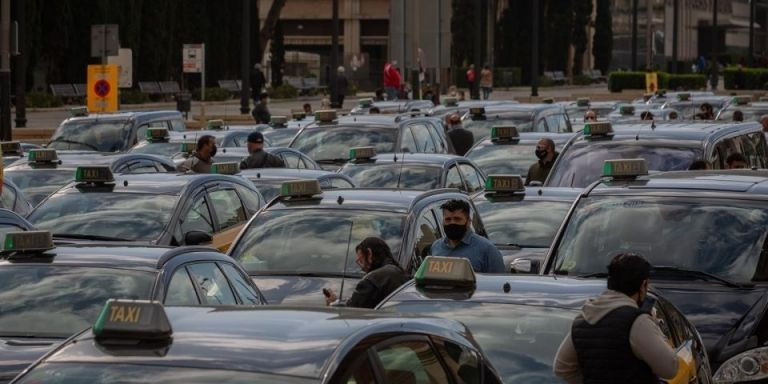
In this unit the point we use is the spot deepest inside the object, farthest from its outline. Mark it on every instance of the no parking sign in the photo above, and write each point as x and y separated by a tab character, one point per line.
102	88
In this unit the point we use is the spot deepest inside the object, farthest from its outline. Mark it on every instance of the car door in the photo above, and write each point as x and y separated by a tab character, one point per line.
229	214
671	323
423	139
195	217
453	178
425	232
212	285
475	182
292	160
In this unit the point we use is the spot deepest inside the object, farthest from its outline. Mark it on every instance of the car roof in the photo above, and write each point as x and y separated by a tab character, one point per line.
158	183
390	200
745	182
511	108
284	173
125	115
531	138
674	131
538	194
436	159
73	159
278	340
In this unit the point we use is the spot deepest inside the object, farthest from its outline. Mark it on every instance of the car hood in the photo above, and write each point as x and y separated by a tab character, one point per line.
16	354
301	290
726	318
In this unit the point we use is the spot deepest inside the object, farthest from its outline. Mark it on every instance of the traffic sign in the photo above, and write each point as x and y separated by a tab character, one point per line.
193	58
651	82
103	88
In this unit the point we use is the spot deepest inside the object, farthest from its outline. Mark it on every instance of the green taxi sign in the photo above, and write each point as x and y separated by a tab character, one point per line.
582	102
548	100
504	133
132	320
362	153
445	273
504	183
684	96
42	155
94	174
278	121
78	111
627	110
10	148
299	115
742	100
600	128
325	116
450	101
216	125
625	168
226	168
365	103
157	134
477	111
300	188
187	147
28	242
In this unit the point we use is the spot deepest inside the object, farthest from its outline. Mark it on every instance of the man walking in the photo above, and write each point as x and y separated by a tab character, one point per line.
258	81
391	80
486	81
259	158
341	87
260	112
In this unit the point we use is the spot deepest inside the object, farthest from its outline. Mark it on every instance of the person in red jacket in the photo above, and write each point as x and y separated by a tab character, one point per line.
391	80
472	83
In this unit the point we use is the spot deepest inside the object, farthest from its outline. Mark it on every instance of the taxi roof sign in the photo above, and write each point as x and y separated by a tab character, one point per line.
365	103
627	110
548	100
226	168
504	183
28	242
362	153
325	116
477	111
299	115
600	128
582	102
216	125
42	155
278	120
10	148
187	147
445	273
625	168
742	100
157	134
684	96
504	133
132	319
450	101
78	111
300	188
94	174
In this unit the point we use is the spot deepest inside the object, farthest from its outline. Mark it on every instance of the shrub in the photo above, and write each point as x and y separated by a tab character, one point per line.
753	78
581	80
284	91
133	96
617	81
43	100
687	82
507	77
212	94
545	81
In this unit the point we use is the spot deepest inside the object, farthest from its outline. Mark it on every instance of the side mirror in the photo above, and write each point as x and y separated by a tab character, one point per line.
525	266
197	238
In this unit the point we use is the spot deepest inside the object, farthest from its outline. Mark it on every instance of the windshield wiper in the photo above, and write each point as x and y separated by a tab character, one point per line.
60	140
701	275
332	161
87	237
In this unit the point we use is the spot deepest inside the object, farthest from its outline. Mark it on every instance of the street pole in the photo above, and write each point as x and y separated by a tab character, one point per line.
21	66
475	90
675	15
5	70
714	30
634	35
245	59
334	54
535	49
649	34
751	32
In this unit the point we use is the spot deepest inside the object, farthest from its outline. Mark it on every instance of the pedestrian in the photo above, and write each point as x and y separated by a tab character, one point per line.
382	275
391	80
736	161
461	241
471	82
341	87
201	160
738	115
379	95
258	157
462	139
714	73
545	152
462	96
307	108
590	115
486	81
738	77
646	115
258	81
702	65
613	340
260	111
706	112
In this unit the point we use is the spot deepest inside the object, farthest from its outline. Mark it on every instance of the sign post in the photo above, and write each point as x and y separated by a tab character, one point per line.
651	82
103	88
124	60
193	61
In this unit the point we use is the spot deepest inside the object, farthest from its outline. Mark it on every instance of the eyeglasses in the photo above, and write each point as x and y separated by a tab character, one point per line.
590	118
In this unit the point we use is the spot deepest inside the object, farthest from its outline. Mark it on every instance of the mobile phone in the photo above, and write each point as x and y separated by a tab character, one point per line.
647	306
327	292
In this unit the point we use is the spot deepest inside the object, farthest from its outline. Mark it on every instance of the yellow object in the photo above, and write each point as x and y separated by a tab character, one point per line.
103	88
651	82
686	365
223	240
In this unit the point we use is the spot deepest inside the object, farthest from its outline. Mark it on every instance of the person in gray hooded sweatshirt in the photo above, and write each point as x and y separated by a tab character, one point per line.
613	340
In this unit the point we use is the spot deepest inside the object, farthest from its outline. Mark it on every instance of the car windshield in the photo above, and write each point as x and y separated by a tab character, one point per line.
118	216
504	159
334	143
717	236
159	149
582	163
577	113
482	128
269	243
268	190
94	135
520	341
279	137
68	373
749	114
37	184
396	176
58	301
526	223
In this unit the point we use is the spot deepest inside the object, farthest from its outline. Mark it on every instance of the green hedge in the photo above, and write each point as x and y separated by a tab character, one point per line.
42	100
284	91
133	96
617	81
754	78
686	82
507	77
212	94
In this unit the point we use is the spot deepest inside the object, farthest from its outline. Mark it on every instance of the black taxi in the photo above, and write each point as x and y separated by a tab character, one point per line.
750	110
526	117
704	233
159	209
519	321
50	293
418	171
391	107
577	108
269	181
136	341
11	151
304	240
664	146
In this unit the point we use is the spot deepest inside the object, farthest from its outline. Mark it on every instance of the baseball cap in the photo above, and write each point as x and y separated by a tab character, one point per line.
255	137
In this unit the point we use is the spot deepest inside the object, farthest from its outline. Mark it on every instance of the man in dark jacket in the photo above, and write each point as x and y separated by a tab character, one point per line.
383	275
259	158
342	84
462	139
257	82
260	111
545	152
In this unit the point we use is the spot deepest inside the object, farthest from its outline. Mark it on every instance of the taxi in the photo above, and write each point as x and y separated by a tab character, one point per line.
665	147
526	117
12	222
507	151
12	199
576	109
418	171
160	141
46	170
157	209
522	221
688	105
751	110
291	157
50	293
134	341
11	152
626	113
304	240
520	321
662	96
112	132
269	181
704	233
327	141
451	105
392	106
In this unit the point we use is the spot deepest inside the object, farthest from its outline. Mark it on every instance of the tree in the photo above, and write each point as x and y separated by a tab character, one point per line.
602	43
557	39
582	14
268	28
277	49
513	42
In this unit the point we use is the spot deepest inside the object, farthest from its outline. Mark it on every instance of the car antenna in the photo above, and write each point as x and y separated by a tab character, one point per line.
346	260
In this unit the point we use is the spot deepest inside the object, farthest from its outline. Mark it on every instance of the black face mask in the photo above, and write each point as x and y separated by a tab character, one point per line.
213	151
455	232
541	154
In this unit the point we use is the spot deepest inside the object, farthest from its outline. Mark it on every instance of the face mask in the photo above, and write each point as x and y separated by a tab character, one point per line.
541	153
455	231
213	151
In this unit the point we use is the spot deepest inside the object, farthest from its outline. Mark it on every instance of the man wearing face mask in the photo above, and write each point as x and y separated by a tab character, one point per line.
383	275
545	152
461	241
615	339
202	159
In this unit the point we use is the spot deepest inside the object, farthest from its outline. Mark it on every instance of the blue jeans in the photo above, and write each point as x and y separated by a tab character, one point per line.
391	93
486	92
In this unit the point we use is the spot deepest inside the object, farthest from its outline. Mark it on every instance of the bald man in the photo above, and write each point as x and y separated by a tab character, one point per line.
545	152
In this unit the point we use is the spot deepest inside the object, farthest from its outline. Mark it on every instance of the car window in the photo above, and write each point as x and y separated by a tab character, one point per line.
438	139
338	182
8	198
250	198
427	231
227	207
423	140
198	218
412	361
408	142
212	283
757	139
142	166
474	179
541	126
464	363
92	135
726	148
453	180
246	292
291	160
178	126
181	290
359	373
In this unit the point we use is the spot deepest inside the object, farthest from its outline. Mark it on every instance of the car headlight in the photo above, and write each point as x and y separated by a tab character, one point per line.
746	366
